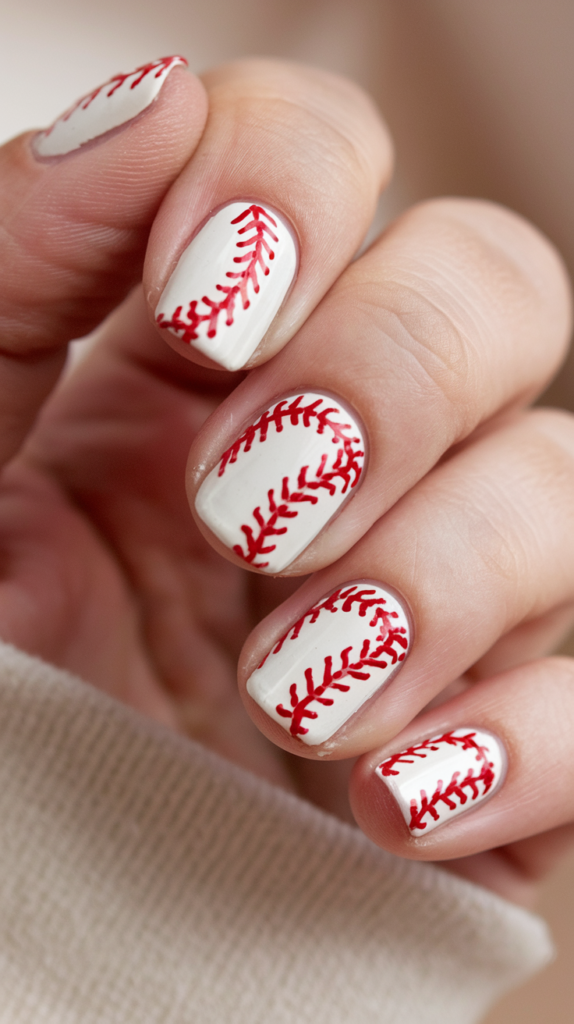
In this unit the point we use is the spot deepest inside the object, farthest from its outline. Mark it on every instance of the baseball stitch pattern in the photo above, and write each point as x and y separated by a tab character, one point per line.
455	788
391	642
347	467
156	67
255	260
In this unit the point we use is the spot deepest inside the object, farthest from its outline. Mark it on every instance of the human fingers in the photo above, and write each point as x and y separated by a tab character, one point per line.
76	204
457	312
114	438
488	769
276	201
482	544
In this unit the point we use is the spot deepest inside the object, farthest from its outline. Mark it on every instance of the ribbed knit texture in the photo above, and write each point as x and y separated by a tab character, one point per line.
145	881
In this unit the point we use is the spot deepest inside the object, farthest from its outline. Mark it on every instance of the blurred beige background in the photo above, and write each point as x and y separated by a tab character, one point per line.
480	98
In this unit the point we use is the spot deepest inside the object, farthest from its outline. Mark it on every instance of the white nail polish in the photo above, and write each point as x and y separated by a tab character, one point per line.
443	776
107	107
230	282
338	654
283	479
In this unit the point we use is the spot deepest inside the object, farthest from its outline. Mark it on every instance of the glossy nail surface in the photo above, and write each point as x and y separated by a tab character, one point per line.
443	776
109	106
283	479
332	660
230	282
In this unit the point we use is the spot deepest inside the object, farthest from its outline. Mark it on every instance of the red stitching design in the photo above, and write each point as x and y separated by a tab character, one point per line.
454	788
347	467
255	261
295	412
349	597
159	66
370	656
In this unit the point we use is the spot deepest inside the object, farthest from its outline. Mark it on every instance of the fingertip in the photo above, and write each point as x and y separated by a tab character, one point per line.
407	800
377	813
154	92
309	153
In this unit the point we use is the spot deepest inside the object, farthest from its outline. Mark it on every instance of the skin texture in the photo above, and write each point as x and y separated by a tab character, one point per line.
439	336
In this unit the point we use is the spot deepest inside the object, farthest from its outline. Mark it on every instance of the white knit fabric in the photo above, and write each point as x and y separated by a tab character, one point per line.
145	881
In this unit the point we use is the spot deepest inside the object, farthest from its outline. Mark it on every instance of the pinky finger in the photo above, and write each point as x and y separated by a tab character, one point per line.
490	768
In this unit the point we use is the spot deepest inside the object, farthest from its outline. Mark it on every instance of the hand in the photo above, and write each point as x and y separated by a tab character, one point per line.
426	350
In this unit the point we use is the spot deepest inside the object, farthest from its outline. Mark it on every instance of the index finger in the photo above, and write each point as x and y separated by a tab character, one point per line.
273	205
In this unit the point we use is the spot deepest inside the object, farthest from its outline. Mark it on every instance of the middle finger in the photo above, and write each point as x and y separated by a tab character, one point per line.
455	313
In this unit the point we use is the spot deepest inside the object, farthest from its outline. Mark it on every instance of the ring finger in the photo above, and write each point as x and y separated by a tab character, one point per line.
482	544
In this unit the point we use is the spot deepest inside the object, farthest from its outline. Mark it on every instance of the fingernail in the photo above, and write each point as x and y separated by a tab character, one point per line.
109	106
283	479
335	657
443	776
230	282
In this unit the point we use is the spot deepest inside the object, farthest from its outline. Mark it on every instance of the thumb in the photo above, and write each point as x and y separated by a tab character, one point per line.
76	205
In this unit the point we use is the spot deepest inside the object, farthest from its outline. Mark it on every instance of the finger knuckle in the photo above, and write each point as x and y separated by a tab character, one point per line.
417	341
463	290
507	260
320	118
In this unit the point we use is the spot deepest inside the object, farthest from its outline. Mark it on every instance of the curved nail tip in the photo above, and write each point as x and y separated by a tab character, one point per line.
341	652
283	479
230	282
111	105
443	776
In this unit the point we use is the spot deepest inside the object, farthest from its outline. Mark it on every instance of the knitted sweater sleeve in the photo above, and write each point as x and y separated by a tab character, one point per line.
145	880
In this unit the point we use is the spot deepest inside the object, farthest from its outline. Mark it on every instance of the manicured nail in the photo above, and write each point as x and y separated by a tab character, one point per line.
443	776
283	479
230	282
338	654
107	107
